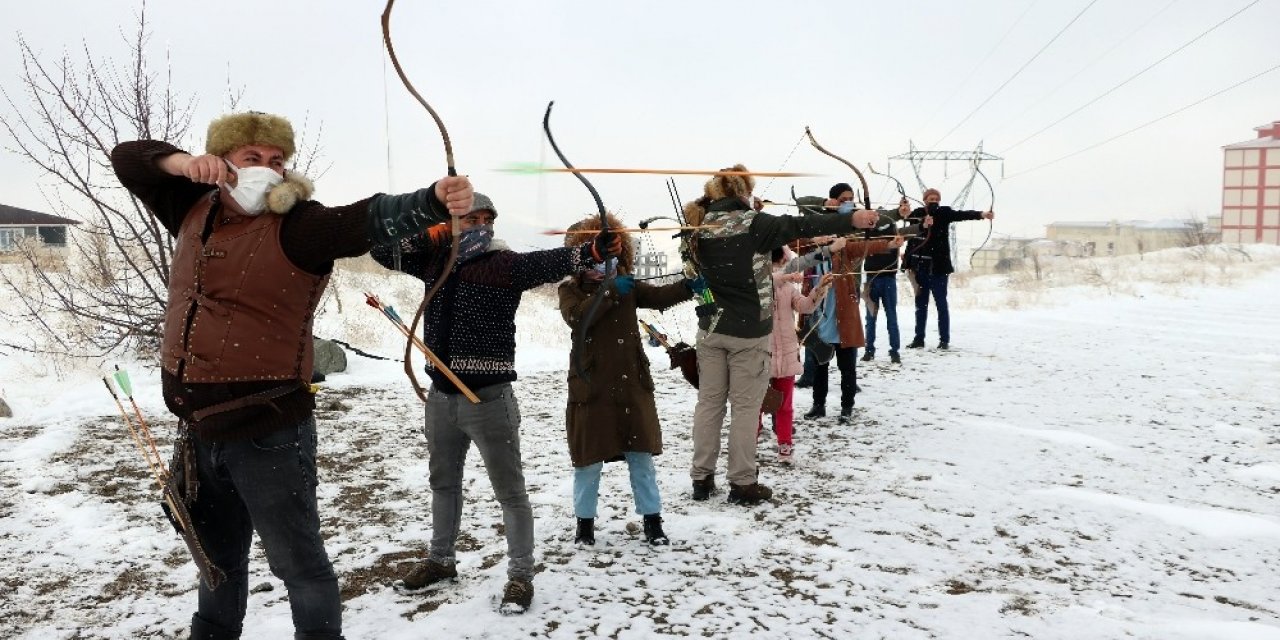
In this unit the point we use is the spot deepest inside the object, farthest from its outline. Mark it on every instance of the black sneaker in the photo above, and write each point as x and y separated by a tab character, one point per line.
869	356
586	532
846	415
894	357
516	597
944	346
424	576
702	488
816	412
918	343
749	494
653	531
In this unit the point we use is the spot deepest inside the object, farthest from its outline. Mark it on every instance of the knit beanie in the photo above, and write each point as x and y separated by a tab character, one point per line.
838	189
482	203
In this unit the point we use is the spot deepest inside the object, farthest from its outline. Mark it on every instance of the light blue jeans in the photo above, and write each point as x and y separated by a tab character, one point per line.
644	485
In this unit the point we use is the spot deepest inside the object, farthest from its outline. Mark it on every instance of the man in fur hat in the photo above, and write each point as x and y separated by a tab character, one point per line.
733	335
471	325
252	255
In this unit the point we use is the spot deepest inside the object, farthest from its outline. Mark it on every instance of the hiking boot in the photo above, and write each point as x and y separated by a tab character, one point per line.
586	532
944	346
424	576
749	494
918	343
869	356
202	629
894	357
785	452
702	488
816	412
653	531
516	597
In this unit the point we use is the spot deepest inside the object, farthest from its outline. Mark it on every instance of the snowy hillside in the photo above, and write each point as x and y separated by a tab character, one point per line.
1098	456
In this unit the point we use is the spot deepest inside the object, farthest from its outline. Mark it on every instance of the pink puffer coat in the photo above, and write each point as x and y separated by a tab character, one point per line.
787	300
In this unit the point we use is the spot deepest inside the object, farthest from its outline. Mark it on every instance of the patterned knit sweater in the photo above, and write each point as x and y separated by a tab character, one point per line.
471	322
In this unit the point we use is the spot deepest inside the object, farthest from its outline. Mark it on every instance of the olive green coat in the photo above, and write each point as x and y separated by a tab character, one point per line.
614	411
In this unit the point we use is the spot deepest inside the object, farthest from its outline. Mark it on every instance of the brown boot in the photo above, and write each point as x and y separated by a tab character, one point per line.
424	576
749	494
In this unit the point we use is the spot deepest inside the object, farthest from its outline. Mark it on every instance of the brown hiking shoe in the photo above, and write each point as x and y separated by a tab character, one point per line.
424	576
516	597
749	494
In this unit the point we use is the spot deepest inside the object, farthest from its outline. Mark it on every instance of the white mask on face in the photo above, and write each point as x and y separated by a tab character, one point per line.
252	186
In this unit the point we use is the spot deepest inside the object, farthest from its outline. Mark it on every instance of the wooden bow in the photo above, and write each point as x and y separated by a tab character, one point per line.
456	227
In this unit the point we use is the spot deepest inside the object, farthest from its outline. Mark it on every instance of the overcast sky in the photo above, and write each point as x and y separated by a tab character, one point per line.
709	84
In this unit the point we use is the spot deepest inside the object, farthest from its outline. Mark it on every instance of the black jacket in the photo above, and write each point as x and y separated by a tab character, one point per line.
935	241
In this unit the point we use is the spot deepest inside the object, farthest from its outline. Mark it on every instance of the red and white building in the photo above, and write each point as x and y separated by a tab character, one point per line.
1251	188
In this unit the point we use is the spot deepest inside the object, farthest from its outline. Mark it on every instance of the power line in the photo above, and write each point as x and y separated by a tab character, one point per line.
1134	76
1144	126
956	90
1018	72
1008	121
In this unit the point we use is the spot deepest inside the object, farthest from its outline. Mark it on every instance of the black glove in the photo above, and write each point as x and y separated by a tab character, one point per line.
606	245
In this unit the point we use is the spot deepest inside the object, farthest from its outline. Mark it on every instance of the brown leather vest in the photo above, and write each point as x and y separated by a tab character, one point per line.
238	310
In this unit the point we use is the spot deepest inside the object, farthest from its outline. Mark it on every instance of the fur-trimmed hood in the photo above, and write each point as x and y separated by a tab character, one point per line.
719	188
592	223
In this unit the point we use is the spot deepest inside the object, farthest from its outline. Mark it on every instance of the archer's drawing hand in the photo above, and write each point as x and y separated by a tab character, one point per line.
205	169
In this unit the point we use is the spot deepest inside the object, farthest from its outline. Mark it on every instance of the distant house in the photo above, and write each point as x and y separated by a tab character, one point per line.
1082	239
1251	188
22	225
1002	255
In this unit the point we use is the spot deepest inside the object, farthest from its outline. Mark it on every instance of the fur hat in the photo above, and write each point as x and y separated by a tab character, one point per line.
730	186
932	191
235	130
839	188
592	223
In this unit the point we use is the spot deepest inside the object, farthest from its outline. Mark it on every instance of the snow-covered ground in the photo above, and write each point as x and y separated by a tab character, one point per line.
1092	459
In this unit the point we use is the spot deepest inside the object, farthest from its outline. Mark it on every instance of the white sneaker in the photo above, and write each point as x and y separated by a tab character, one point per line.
785	452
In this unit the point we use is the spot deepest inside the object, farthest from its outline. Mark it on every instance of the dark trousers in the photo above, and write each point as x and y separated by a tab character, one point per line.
267	485
847	361
937	287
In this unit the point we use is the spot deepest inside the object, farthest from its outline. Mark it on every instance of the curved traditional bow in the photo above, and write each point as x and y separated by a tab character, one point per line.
866	195
455	225
901	190
584	323
977	167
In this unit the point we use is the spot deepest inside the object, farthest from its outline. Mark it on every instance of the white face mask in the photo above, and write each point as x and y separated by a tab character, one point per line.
252	186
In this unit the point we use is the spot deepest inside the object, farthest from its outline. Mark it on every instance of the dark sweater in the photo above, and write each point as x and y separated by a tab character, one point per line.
312	236
734	259
471	322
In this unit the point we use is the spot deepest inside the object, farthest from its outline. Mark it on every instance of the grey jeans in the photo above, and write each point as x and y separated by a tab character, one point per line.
736	371
452	424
